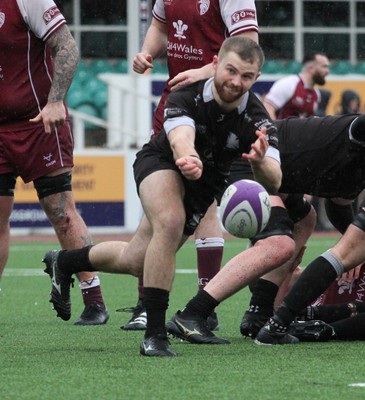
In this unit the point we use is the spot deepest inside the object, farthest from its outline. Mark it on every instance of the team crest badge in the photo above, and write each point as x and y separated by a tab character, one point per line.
2	19
203	6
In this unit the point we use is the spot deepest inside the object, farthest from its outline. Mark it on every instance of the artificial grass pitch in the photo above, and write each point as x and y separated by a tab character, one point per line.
43	357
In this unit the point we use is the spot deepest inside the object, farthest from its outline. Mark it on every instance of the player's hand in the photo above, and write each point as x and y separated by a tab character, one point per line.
53	115
191	167
183	78
142	62
258	149
187	77
350	276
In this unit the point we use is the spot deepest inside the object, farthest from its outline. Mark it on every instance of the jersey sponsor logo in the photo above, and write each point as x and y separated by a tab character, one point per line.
182	48
173	112
50	14
243	15
203	6
180	29
2	19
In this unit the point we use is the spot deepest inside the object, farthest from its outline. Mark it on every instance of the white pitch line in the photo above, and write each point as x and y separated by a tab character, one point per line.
40	272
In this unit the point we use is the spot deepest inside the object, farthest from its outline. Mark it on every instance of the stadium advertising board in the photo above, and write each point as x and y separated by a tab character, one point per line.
99	186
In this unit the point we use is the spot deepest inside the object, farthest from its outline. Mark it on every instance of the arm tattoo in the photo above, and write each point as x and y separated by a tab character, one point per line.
65	56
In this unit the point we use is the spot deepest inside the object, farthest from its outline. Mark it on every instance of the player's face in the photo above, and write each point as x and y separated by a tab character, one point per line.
234	77
321	70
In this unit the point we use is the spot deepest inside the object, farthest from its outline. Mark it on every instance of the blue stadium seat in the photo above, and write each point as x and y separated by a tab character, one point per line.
88	109
94	85
100	99
341	68
101	65
293	67
273	67
83	65
160	67
77	96
121	66
360	68
83	75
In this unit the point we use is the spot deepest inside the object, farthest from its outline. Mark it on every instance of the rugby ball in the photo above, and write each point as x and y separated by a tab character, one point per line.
245	208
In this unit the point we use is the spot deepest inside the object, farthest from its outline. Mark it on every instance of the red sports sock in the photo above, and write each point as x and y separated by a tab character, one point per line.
91	292
209	255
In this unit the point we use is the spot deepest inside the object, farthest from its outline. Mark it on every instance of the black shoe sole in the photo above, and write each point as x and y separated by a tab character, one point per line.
63	308
174	330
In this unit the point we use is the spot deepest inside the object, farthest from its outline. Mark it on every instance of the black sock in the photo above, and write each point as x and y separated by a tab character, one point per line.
156	302
350	328
203	304
314	280
73	261
263	295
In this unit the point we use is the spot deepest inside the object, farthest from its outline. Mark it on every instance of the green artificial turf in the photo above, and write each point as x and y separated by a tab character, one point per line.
43	357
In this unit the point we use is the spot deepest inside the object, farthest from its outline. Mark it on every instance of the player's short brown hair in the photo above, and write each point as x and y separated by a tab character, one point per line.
247	49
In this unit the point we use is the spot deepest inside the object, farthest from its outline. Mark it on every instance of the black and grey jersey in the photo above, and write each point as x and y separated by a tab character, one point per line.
318	158
220	137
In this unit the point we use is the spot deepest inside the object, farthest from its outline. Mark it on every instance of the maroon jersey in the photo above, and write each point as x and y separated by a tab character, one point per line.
195	31
344	292
291	98
26	70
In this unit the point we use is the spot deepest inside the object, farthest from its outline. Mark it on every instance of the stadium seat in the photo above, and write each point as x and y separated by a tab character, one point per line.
360	68
159	67
84	65
100	100
94	85
293	67
88	109
121	66
83	75
341	68
273	67
101	65
77	96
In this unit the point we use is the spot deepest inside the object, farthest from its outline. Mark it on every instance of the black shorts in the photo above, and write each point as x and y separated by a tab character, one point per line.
199	194
240	169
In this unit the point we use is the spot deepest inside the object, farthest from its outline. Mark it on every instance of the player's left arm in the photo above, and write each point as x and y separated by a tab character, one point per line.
65	56
266	169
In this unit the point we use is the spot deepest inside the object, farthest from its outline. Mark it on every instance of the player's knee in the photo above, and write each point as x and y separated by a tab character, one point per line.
278	234
283	248
49	185
169	225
